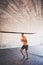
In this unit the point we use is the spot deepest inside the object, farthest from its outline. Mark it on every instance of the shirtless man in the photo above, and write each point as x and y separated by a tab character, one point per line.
25	46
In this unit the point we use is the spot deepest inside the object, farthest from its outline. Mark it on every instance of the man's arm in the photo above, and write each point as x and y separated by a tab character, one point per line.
24	40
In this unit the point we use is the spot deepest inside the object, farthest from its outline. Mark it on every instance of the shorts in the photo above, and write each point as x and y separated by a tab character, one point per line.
24	47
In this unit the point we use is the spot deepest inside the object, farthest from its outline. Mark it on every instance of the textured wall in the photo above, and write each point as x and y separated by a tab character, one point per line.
23	16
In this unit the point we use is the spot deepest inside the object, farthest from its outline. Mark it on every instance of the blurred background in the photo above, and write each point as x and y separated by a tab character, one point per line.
22	16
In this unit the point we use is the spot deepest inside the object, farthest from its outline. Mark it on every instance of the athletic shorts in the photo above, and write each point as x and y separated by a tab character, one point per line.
24	47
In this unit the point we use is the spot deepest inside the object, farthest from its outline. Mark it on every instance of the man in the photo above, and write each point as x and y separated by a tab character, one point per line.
25	46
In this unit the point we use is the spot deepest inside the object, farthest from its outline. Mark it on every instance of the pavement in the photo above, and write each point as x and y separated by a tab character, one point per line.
13	56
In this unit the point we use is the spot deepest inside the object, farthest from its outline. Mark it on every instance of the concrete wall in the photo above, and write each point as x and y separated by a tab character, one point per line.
0	39
14	40
10	40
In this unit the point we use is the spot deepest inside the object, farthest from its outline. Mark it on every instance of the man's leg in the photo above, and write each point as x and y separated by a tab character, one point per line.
26	54
21	50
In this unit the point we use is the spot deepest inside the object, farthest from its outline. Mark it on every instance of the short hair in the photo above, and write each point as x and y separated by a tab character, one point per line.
22	33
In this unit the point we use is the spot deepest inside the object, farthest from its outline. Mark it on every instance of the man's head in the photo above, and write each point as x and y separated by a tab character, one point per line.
22	34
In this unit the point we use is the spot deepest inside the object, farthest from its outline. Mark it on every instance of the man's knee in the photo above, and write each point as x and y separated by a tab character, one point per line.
20	50
26	51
